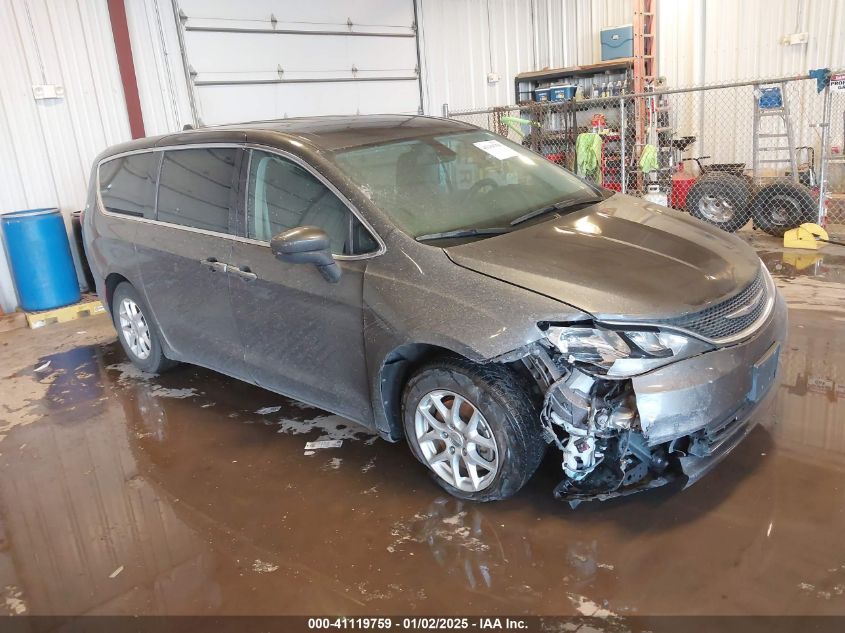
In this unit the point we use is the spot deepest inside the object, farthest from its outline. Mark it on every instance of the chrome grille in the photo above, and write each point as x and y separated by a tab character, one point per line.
713	323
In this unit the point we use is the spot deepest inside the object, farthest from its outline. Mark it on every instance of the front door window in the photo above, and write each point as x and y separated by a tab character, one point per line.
284	195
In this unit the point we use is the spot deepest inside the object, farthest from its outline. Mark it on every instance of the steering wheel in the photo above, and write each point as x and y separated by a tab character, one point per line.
485	185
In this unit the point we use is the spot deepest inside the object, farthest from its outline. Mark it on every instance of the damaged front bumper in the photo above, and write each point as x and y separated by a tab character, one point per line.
684	418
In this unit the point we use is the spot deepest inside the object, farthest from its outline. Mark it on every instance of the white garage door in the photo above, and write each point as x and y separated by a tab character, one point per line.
267	59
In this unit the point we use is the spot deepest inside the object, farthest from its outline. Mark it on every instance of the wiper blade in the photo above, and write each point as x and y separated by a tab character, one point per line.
558	206
496	230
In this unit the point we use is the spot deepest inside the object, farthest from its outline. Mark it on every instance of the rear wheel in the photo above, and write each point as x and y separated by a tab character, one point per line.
720	200
137	332
781	206
475	427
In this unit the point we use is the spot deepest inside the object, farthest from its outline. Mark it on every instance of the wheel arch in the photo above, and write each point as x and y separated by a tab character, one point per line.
397	367
110	284
395	370
113	280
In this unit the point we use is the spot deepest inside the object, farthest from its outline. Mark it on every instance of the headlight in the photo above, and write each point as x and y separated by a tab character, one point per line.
622	353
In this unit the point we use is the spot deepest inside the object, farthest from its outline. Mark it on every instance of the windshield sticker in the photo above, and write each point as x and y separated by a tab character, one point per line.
496	149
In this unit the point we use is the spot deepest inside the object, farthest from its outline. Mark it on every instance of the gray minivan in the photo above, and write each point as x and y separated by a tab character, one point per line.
434	281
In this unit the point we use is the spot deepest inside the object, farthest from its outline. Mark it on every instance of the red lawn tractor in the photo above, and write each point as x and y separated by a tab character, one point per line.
725	196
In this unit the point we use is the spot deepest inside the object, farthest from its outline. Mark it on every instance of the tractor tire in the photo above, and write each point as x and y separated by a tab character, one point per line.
781	206
721	200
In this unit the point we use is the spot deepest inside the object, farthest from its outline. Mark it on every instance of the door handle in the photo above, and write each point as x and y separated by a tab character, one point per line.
214	266
244	273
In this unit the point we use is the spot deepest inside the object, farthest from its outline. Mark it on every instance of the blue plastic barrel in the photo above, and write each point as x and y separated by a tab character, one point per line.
39	253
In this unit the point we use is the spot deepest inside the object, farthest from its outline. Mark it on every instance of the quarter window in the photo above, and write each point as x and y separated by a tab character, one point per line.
283	195
196	188
127	184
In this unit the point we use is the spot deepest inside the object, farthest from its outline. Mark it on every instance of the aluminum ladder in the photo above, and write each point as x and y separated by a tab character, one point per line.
783	123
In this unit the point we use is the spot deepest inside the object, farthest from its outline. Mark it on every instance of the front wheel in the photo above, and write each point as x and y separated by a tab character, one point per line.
475	427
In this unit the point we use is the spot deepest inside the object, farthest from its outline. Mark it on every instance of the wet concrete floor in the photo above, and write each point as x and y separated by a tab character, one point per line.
192	493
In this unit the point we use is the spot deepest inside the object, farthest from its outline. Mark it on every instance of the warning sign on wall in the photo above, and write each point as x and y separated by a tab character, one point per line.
837	82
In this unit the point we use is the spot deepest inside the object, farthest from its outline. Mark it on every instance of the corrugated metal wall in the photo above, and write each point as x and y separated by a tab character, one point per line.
461	42
47	146
162	87
742	39
699	41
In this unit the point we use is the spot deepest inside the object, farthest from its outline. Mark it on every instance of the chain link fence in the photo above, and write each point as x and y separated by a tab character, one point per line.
734	155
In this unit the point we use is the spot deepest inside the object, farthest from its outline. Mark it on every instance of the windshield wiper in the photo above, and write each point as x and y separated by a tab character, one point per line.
557	206
496	230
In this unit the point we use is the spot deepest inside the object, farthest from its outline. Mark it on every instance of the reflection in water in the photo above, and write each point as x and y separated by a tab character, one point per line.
149	484
85	533
822	265
192	493
811	399
463	542
74	383
810	280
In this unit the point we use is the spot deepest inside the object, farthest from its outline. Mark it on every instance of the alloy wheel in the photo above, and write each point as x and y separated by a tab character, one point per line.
456	441
134	329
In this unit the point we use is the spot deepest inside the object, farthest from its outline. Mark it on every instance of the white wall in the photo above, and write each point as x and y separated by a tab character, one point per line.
47	146
731	39
461	42
162	87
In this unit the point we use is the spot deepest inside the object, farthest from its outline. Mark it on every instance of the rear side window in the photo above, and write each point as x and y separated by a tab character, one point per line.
127	184
196	188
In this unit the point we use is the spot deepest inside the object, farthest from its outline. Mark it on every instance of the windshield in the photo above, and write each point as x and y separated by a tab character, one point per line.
464	180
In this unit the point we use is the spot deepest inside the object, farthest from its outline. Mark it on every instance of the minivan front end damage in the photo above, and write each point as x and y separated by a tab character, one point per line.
620	435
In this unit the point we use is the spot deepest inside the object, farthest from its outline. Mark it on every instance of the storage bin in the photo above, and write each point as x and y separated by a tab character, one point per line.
617	42
541	94
565	92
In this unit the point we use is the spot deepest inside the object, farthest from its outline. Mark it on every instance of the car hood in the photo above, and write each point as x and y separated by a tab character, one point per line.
623	257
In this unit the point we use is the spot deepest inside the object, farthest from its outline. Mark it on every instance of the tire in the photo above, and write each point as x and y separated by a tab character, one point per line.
509	420
781	206
721	200
145	352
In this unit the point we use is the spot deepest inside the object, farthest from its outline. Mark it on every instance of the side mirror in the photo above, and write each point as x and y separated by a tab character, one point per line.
307	245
